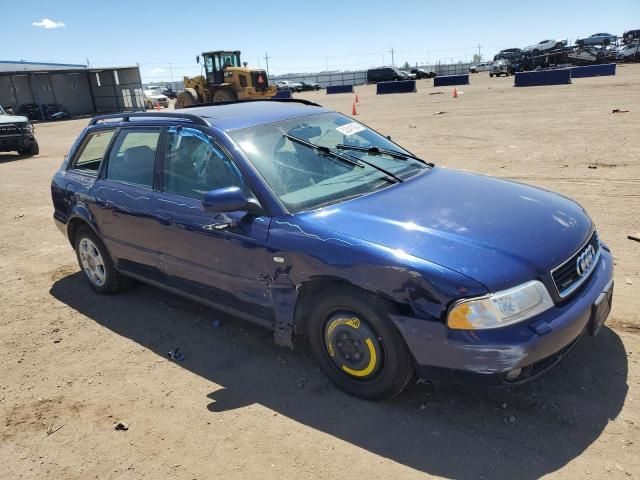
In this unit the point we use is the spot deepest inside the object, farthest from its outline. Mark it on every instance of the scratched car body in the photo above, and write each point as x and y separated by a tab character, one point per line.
315	226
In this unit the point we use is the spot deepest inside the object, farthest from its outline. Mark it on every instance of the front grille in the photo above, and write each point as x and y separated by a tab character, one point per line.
9	129
259	80
567	276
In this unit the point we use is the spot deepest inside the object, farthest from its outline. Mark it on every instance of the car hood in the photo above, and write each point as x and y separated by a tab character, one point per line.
13	119
498	232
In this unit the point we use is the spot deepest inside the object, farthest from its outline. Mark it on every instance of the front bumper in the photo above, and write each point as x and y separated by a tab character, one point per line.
11	143
485	356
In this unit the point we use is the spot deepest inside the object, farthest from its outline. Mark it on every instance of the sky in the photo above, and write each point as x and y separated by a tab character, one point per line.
164	37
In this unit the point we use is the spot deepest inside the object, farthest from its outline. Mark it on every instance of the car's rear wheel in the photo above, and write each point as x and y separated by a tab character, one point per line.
96	264
357	345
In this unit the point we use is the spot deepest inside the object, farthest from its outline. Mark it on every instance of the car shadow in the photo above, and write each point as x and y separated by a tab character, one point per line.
448	430
11	157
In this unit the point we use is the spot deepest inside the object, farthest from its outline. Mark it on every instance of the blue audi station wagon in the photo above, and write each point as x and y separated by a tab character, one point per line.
300	219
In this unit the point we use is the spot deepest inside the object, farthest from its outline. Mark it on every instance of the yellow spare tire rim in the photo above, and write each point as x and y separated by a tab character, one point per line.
353	346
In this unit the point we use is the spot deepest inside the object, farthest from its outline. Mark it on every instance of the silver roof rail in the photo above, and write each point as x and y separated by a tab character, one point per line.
126	117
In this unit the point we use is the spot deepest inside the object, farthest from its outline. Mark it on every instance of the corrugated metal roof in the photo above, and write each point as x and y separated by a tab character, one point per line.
23	65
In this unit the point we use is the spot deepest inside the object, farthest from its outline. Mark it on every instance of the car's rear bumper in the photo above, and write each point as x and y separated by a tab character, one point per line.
485	357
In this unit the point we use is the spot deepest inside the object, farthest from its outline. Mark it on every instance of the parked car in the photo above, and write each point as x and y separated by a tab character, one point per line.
287	85
169	93
597	39
153	98
17	134
500	67
510	54
421	73
480	67
309	86
408	75
384	74
544	46
631	36
295	217
630	53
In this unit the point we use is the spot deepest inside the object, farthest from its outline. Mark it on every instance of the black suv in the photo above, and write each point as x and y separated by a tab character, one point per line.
16	134
385	74
421	73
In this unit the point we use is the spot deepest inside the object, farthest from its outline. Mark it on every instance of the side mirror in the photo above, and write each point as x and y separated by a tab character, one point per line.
230	199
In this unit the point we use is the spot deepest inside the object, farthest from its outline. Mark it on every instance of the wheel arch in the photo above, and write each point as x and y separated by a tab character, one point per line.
309	290
76	222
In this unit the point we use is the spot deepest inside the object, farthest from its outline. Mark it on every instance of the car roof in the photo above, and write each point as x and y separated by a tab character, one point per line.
234	116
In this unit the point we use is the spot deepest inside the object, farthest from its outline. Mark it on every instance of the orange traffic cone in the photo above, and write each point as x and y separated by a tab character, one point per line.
353	109
357	98
455	93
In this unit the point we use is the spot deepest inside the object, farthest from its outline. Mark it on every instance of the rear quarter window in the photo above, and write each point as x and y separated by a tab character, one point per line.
92	151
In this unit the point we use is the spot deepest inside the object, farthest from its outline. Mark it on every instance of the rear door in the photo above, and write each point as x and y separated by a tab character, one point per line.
225	265
124	207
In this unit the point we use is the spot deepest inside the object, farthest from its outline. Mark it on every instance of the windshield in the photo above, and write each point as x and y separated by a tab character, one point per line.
304	177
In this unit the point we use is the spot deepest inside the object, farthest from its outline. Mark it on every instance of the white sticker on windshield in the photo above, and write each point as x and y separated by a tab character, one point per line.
350	128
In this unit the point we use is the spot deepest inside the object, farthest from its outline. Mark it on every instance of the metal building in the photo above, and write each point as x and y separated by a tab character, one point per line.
80	90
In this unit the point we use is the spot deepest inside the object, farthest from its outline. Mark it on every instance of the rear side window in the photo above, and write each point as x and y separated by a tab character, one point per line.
132	158
93	151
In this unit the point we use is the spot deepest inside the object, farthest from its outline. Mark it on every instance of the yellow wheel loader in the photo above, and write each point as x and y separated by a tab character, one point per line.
225	80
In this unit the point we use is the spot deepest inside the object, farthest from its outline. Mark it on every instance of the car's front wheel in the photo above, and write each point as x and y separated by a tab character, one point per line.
357	345
31	150
96	264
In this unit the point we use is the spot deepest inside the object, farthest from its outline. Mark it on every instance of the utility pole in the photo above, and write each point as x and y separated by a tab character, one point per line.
171	72
479	52
392	61
266	59
326	64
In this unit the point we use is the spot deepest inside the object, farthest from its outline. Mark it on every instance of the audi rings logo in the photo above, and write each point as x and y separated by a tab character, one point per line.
585	261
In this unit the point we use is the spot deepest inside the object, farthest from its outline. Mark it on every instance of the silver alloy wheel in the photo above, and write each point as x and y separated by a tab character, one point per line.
92	262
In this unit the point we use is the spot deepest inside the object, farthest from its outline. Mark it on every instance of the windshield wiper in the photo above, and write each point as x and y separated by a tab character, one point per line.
382	151
322	150
345	158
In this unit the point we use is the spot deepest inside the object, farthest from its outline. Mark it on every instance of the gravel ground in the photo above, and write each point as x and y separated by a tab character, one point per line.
75	363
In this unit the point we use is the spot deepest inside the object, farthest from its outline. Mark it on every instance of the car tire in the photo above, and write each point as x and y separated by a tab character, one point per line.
96	264
356	344
31	150
224	95
491	75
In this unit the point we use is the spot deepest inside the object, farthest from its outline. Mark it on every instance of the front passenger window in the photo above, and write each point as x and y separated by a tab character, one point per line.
195	164
133	156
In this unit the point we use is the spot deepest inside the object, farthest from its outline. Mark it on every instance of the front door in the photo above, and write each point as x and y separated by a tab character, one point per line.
221	258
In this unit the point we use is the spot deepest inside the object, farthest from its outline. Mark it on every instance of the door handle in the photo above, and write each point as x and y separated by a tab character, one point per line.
216	226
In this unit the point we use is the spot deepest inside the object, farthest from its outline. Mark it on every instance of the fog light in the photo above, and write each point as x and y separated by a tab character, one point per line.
513	374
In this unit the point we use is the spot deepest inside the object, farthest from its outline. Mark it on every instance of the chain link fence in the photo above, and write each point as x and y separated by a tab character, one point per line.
359	77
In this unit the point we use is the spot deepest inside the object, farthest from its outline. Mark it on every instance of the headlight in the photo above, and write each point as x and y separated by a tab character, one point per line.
28	128
501	308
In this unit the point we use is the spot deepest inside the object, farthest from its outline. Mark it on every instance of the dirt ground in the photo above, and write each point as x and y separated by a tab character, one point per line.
74	362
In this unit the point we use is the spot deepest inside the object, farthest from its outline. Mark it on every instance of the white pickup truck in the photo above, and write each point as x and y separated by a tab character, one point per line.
16	135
